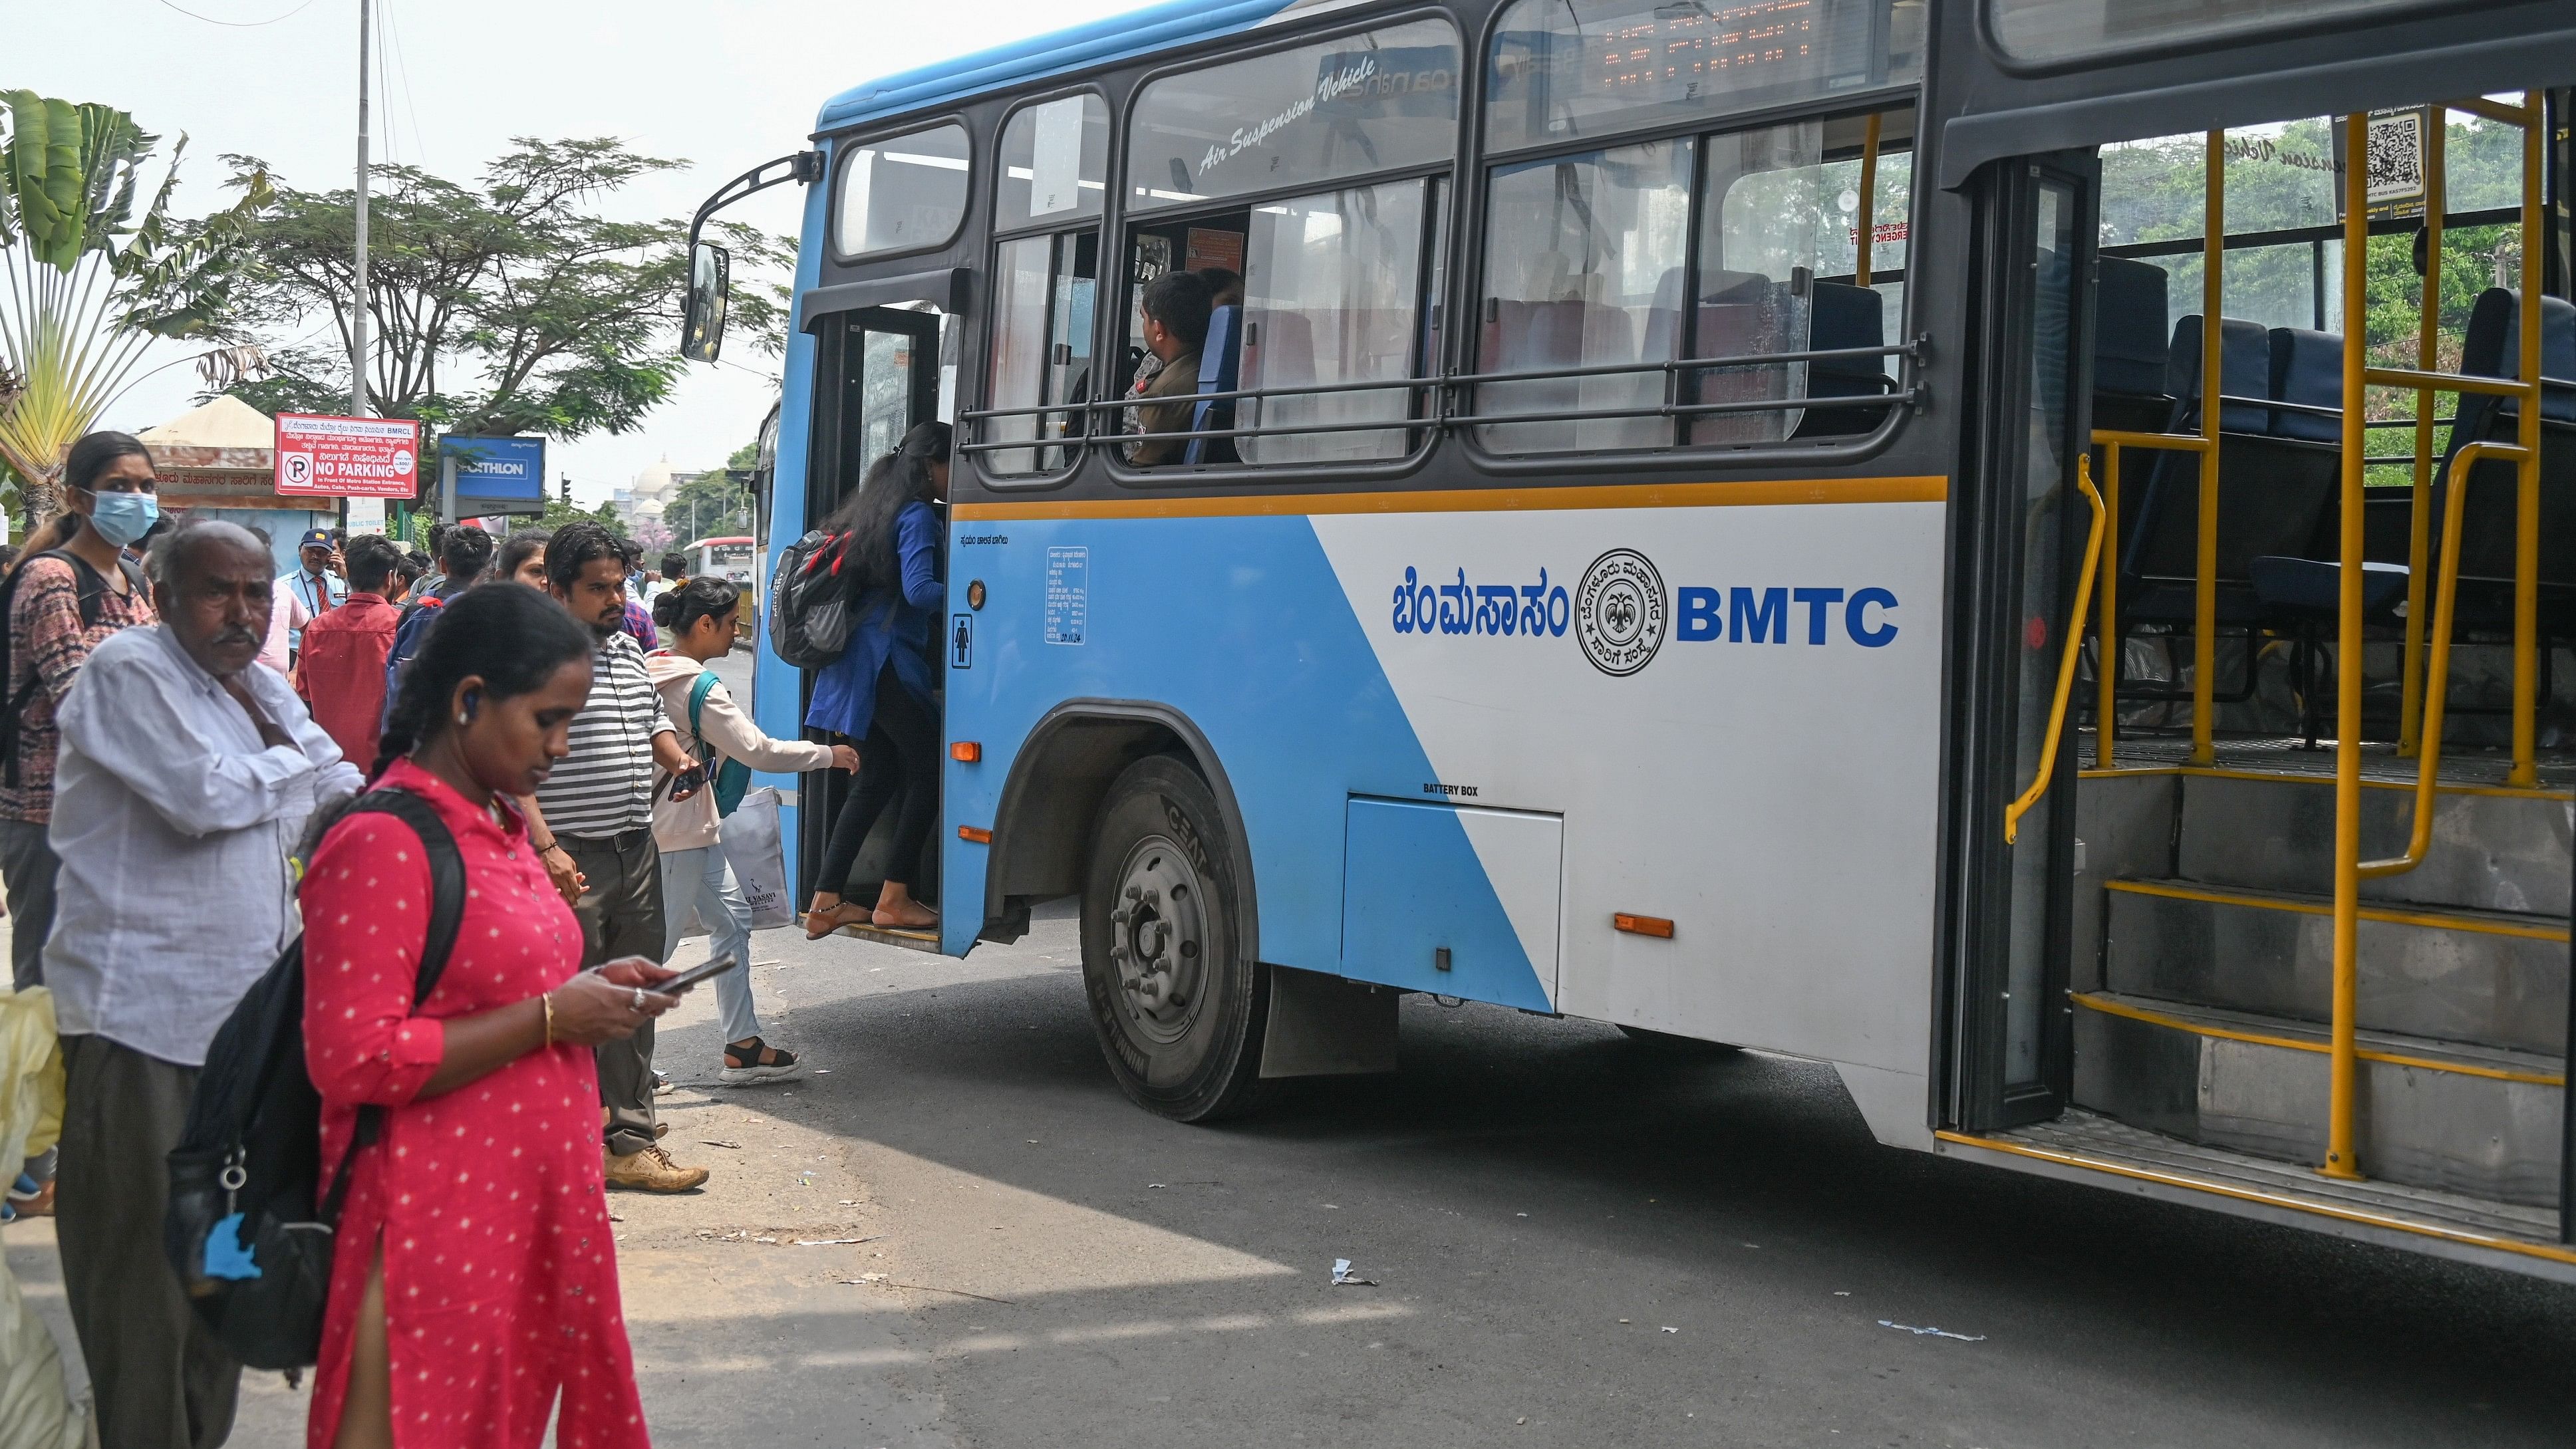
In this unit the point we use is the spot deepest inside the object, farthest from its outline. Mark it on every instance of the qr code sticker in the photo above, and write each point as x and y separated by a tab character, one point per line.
2396	164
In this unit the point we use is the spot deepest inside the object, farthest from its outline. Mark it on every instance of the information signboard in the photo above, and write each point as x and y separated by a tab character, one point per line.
492	475
327	457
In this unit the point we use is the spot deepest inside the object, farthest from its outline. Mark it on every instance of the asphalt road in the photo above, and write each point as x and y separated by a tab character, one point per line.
1574	1241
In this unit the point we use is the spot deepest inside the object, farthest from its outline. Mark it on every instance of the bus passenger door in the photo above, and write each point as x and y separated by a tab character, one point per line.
879	379
2020	547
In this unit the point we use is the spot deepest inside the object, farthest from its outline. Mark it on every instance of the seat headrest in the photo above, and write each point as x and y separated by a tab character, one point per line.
2129	328
2307	367
1218	355
1842	315
2244	368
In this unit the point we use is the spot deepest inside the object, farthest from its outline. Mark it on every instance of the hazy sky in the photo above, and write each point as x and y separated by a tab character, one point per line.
725	84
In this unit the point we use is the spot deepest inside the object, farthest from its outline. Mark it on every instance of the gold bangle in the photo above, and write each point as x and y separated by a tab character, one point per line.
547	1001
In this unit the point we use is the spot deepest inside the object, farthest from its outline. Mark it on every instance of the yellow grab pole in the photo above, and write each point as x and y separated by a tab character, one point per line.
2340	1160
2428	356
2437	685
1867	231
2107	668
2204	589
2526	538
2074	651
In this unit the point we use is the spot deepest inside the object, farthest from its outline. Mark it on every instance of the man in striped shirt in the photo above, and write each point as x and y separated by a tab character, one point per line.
593	828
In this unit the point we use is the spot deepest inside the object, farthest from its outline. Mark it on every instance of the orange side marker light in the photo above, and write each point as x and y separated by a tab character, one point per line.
966	752
974	836
1642	925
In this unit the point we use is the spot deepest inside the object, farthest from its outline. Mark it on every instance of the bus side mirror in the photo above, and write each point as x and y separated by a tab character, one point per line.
703	318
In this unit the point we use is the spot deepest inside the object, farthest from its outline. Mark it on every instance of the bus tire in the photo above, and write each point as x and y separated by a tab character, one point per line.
1176	997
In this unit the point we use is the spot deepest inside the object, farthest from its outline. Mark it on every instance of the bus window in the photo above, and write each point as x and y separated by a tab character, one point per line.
1583	268
903	193
2055	30
1376	101
1757	275
1055	163
1331	288
1562	70
1042	295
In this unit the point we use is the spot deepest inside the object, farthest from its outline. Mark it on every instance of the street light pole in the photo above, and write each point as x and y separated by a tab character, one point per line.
358	273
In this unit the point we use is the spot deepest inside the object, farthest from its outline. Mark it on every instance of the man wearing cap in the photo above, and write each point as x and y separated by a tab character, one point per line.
316	584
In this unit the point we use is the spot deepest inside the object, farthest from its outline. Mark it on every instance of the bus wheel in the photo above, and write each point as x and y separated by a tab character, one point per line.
1174	992
1664	1041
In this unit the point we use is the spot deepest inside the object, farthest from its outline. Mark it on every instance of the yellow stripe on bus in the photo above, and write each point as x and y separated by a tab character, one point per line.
1765	493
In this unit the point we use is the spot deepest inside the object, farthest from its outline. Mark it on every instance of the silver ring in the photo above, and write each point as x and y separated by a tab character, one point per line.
639	1000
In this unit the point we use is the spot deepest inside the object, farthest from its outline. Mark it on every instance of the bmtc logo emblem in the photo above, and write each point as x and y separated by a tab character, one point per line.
1619	612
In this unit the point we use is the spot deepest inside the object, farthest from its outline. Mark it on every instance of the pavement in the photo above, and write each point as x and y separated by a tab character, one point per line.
1572	1240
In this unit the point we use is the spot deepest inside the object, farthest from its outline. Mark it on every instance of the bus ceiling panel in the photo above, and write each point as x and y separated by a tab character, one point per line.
950	289
2360	68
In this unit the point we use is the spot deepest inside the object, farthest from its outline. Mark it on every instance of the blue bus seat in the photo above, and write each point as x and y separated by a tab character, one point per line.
2129	345
1220	365
2307	368
2161	557
2294	586
1843	316
2491	348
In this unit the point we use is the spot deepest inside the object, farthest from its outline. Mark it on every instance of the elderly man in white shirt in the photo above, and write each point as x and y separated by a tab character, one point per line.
185	779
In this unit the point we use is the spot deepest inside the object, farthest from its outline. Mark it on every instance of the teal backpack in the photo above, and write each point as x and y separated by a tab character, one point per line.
730	778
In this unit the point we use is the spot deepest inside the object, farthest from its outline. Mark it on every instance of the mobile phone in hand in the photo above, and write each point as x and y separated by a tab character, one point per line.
688	782
704	971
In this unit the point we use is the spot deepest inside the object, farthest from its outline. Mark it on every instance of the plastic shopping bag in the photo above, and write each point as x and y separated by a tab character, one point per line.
751	845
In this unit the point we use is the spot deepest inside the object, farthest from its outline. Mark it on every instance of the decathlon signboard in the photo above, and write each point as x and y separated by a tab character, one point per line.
323	457
492	476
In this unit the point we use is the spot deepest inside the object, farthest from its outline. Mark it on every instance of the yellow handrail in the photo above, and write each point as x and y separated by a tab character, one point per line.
2342	1043
2358	377
2446	594
1867	232
2066	664
2204	588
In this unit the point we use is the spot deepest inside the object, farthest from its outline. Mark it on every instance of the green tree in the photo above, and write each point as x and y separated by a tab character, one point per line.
558	513
90	282
710	505
509	305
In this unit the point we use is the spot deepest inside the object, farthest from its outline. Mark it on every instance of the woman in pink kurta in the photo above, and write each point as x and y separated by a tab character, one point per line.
481	1200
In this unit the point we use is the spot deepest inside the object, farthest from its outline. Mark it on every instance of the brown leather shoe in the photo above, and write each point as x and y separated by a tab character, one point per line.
651	1170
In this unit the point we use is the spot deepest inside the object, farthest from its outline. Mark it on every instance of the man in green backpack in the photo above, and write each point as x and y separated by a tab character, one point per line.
697	619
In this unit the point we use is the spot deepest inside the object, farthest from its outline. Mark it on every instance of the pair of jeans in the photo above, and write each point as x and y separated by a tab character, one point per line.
701	880
902	749
159	1376
27	868
621	915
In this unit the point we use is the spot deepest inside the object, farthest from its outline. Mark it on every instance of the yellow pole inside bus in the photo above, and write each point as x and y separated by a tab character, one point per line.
2340	1161
2428	357
2204	588
1866	231
2526	535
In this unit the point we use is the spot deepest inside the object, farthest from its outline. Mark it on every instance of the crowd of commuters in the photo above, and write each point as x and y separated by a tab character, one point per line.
206	721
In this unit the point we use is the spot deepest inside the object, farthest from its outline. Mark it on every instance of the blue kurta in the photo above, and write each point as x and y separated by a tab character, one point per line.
888	629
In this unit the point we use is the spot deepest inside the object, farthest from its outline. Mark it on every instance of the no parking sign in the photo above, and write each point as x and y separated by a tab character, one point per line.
347	457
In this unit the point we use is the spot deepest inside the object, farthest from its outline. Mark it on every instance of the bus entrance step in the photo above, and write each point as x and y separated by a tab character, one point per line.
2078	1138
2482	1121
2489	978
2492	849
909	940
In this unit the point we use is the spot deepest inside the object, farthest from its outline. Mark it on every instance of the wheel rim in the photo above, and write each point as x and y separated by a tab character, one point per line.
1158	941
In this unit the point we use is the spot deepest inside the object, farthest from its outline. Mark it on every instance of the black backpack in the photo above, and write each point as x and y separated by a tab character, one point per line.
250	1160
91	589
811	606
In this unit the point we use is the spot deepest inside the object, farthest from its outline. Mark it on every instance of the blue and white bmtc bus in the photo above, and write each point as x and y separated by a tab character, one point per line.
1632	555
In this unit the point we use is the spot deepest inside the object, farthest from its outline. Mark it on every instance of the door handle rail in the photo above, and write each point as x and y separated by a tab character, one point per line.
2066	664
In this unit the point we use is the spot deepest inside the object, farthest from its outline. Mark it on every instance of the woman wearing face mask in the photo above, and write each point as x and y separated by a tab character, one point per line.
72	587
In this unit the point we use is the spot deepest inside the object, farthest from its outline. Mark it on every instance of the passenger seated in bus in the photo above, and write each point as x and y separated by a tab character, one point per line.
1225	286
1176	308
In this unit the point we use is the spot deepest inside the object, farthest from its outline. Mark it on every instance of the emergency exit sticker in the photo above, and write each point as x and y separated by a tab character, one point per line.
1068	594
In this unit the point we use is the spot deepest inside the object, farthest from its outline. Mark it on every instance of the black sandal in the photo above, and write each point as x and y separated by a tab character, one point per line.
758	1062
